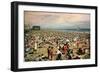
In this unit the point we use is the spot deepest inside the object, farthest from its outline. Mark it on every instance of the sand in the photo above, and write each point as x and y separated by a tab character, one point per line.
46	38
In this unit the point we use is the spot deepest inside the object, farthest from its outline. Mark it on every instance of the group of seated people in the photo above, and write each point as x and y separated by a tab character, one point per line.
64	53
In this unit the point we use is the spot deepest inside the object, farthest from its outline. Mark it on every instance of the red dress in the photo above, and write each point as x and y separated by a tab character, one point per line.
65	49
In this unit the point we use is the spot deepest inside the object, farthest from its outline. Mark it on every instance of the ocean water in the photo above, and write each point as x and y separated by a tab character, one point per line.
72	30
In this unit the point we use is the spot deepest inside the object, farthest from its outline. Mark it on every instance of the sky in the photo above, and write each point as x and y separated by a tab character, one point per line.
57	20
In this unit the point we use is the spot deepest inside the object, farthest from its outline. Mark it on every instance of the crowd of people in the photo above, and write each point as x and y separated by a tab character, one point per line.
41	45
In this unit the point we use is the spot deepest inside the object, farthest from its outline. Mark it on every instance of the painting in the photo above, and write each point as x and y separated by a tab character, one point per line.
56	36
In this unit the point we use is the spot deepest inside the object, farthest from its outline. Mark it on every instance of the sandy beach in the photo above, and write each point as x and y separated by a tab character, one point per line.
38	43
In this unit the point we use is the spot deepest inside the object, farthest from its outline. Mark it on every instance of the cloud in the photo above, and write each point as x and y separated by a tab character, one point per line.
57	20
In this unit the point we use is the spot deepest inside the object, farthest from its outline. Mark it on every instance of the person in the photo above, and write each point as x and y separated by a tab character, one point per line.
59	55
36	45
65	48
50	53
81	51
48	50
78	43
77	57
69	53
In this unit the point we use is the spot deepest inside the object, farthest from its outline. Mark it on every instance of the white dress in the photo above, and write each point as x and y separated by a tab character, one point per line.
35	46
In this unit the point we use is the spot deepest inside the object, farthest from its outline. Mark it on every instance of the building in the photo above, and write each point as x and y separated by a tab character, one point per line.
35	27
